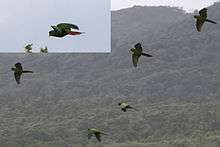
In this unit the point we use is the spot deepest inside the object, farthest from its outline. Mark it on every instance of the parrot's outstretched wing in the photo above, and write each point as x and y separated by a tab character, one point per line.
98	136
67	26
17	77
199	24
135	60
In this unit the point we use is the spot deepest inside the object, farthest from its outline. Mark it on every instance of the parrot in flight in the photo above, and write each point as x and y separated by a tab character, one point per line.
137	53
201	19
44	50
18	71
64	29
28	48
96	132
125	106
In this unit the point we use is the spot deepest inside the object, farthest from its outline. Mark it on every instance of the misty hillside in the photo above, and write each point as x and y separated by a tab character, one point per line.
177	91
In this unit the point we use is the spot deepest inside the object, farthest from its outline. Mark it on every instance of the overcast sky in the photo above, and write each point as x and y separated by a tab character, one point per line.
29	21
188	5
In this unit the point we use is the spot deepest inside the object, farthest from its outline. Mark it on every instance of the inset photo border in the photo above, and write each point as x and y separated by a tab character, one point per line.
67	26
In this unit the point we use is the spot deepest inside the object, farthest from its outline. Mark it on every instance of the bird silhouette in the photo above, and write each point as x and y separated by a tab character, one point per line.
96	132
201	19
44	50
124	106
18	71
64	29
137	53
28	48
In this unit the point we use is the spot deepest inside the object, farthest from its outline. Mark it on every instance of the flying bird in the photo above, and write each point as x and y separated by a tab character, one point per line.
137	53
125	106
201	19
28	48
64	29
96	132
44	50
18	71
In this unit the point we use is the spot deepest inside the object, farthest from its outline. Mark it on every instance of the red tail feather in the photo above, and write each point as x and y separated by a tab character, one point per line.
75	33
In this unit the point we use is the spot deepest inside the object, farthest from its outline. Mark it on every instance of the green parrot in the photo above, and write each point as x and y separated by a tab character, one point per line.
28	48
44	50
125	106
18	71
201	19
64	29
96	132
137	53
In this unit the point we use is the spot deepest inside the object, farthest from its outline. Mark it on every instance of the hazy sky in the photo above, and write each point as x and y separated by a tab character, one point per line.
28	21
188	5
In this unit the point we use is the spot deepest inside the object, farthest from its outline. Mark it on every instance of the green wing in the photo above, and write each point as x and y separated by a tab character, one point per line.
98	136
17	77
67	26
135	60
203	12
199	24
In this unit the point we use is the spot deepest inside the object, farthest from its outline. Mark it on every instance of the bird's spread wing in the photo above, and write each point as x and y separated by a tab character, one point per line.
98	136
199	24
17	77
147	55
138	47
211	21
135	60
203	12
67	26
18	66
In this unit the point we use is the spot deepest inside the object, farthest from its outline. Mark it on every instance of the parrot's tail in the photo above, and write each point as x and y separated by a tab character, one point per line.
146	55
75	33
211	21
27	71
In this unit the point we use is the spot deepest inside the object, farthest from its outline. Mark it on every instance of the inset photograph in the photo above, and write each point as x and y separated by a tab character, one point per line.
60	26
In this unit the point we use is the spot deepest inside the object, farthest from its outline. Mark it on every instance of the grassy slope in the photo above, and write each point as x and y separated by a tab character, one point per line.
155	124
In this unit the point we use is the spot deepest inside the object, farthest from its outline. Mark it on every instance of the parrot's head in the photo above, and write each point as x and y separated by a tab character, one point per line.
119	104
52	33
